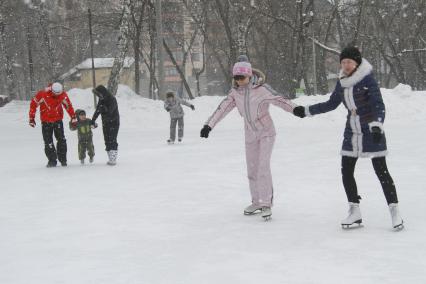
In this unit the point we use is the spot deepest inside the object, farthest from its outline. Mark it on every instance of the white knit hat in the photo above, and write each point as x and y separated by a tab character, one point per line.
57	88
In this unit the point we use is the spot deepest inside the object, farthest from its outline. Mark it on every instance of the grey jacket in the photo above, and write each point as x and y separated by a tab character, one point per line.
175	107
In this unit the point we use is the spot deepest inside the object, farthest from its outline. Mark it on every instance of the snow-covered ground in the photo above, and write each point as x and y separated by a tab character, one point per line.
173	214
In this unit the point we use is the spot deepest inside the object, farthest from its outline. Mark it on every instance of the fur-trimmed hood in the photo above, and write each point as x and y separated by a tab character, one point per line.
257	79
364	69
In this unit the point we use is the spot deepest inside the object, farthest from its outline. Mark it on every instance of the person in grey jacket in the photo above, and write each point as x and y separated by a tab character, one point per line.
173	105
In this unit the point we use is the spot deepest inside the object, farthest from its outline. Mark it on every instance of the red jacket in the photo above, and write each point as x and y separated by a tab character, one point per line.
51	105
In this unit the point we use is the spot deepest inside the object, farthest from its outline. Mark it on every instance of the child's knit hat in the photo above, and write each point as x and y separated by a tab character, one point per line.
242	67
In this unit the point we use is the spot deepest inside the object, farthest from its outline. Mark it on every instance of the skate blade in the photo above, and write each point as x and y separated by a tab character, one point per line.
399	227
354	225
267	218
252	213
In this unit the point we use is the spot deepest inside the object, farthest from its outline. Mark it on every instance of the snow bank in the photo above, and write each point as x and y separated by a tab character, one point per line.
173	214
136	110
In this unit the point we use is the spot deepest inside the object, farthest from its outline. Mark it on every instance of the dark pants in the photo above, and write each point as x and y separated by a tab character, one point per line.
379	164
173	122
110	135
56	128
86	145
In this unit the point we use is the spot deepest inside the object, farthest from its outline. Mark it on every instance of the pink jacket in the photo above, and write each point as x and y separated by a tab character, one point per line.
252	103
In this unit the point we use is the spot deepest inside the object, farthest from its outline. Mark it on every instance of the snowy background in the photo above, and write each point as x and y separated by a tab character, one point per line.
173	214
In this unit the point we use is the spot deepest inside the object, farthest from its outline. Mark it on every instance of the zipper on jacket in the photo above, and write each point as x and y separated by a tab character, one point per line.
247	107
353	117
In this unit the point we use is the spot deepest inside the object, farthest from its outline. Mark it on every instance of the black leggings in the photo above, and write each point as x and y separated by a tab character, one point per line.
379	164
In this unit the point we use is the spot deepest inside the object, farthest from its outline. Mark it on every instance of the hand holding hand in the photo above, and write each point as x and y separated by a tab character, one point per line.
299	111
74	121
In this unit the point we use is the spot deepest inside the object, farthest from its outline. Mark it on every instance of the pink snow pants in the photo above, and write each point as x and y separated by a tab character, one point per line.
258	158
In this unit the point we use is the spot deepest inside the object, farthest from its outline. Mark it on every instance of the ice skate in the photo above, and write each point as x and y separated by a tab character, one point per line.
252	209
266	213
397	222
354	216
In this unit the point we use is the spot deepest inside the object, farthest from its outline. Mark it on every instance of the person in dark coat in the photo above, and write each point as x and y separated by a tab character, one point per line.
364	134
108	109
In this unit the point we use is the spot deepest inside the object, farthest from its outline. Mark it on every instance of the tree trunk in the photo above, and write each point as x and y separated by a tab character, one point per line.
10	84
181	73
122	47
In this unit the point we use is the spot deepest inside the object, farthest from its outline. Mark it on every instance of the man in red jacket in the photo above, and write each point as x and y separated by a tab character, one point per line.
51	101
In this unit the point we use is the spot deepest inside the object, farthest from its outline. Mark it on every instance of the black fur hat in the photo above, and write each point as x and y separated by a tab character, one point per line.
351	52
101	91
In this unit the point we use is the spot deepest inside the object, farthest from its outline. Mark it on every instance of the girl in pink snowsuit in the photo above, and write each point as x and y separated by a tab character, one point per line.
252	100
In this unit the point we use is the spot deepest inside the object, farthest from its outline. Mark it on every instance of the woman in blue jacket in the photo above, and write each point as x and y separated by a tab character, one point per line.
364	136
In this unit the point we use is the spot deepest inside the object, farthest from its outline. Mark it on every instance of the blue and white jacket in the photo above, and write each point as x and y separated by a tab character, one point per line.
361	95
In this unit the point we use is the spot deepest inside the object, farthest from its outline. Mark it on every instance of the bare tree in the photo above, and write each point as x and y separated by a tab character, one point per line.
122	46
8	61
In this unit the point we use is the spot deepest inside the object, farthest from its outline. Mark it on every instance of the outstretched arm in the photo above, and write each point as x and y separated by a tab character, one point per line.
332	103
279	99
222	110
184	102
275	92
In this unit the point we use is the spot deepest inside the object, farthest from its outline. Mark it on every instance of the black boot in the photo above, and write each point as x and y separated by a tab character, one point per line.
51	164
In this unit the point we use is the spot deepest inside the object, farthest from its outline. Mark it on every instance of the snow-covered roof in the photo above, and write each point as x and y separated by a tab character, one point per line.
103	63
99	63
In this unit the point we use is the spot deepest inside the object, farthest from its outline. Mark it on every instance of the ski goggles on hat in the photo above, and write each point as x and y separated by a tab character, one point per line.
239	77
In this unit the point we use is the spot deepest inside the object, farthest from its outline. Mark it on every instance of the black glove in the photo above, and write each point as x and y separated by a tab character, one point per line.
168	109
205	131
377	134
32	122
192	107
299	111
94	124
